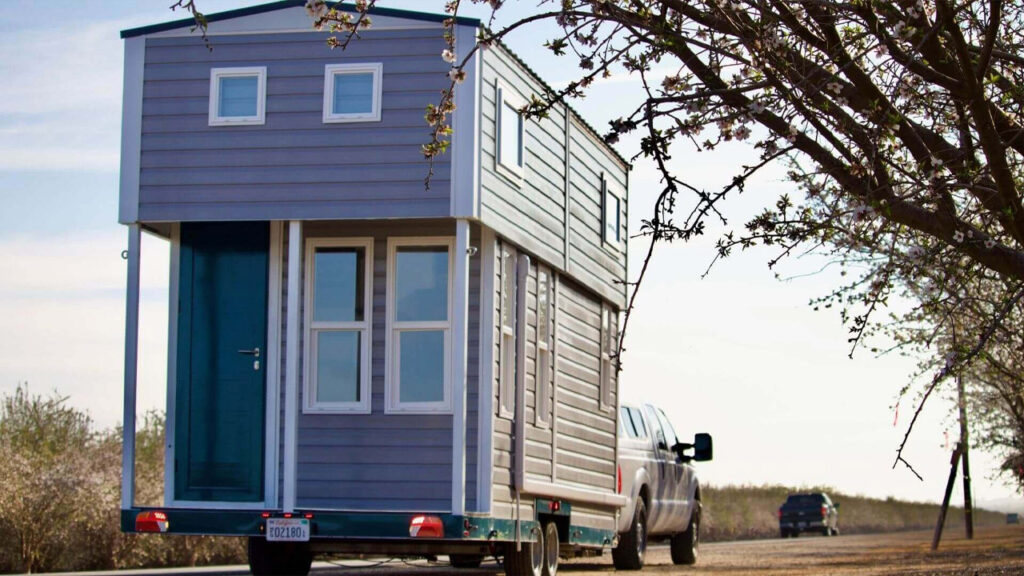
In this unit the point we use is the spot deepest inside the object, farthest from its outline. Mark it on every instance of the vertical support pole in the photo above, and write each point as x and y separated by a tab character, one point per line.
131	366
519	427
965	447
291	383
953	462
488	309
460	332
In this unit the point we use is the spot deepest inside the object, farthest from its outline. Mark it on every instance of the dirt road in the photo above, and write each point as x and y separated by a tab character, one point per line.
995	551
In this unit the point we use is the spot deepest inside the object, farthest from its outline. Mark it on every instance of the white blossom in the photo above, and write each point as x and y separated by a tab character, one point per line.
958	236
448	56
741	133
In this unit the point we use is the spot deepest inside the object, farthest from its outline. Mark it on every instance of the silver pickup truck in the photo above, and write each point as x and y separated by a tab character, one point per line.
661	486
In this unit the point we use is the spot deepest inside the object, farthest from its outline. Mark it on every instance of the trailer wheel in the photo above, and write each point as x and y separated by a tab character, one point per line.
684	544
529	560
551	545
629	554
278	558
465	560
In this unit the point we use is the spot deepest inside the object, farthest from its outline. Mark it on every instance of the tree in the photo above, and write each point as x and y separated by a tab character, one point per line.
899	122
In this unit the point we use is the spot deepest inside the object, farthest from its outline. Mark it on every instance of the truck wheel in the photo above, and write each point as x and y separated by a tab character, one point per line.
529	560
629	554
466	560
551	545
684	544
783	533
826	532
278	558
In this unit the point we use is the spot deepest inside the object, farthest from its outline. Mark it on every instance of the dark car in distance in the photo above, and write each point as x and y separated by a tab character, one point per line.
812	512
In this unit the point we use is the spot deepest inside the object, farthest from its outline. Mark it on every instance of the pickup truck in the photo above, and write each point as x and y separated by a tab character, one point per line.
661	487
813	512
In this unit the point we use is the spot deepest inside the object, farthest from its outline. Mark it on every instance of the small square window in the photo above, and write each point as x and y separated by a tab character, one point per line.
510	127
611	222
237	96
352	92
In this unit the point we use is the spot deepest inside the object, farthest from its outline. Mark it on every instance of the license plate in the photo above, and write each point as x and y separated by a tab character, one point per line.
287	529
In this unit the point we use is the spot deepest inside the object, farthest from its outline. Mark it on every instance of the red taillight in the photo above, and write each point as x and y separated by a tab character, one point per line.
824	511
555	506
426	527
618	483
151	521
779	513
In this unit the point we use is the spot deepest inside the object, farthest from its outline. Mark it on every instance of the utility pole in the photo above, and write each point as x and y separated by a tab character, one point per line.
968	505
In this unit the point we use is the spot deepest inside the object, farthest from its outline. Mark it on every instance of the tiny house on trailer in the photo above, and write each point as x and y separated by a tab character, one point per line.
355	363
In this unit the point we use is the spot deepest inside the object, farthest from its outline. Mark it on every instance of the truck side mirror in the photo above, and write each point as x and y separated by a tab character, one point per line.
702	447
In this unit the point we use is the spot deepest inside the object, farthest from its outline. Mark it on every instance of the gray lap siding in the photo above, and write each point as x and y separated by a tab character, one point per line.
294	166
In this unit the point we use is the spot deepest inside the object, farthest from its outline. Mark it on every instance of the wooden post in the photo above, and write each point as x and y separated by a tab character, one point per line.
953	463
964	447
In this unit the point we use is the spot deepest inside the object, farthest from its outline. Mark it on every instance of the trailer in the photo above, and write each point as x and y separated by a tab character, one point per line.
356	363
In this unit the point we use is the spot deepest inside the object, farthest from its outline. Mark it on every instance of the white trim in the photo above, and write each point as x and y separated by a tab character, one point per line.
131	130
375	69
291	384
465	131
392	353
607	195
459	355
131	364
543	350
556	295
485	382
505	94
285	20
606	369
273	363
519	426
577	495
507	333
172	361
215	118
364	327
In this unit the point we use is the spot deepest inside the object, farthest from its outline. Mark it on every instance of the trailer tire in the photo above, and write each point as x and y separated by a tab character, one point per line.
529	560
278	558
629	554
466	560
684	544
551	546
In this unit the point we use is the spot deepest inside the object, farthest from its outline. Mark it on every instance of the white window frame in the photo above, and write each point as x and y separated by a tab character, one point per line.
332	70
507	335
261	96
608	319
392	403
545	376
607	195
365	328
505	94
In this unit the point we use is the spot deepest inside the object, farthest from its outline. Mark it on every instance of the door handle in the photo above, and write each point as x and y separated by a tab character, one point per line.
254	352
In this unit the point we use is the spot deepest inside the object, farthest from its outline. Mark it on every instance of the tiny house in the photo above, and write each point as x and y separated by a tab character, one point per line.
355	362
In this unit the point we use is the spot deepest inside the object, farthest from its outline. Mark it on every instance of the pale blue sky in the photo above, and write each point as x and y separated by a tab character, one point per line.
738	354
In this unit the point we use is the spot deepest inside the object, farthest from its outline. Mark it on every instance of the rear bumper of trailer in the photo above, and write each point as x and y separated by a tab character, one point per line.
357	531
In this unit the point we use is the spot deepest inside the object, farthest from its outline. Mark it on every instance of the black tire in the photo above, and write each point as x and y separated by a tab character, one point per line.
835	531
529	560
684	544
466	560
783	533
551	545
826	532
629	554
279	558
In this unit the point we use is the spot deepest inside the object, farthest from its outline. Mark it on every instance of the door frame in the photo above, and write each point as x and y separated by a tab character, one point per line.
272	384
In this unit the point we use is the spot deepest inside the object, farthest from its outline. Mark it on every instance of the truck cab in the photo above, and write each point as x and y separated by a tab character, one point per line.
660	484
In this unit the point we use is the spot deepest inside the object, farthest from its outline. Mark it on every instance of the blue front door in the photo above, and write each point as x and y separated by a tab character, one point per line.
220	396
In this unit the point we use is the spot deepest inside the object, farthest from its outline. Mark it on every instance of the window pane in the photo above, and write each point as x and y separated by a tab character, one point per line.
611	218
338	286
670	433
337	366
511	131
421	284
638	421
508	279
353	93
543	312
238	96
421	366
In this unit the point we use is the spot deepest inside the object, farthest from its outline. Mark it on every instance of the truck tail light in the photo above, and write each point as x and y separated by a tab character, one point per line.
426	527
151	521
618	480
824	511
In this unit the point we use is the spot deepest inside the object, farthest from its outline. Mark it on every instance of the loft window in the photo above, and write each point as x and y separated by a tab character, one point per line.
338	281
611	223
419	325
237	96
352	92
509	159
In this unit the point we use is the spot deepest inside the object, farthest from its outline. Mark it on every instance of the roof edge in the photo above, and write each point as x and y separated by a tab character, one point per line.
282	4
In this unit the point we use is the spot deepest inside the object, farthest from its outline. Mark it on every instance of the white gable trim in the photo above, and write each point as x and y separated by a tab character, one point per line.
285	20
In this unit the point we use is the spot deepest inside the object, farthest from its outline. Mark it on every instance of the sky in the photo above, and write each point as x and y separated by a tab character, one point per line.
737	353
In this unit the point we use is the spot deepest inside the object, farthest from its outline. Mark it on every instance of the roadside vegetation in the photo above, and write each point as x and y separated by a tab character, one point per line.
749	512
